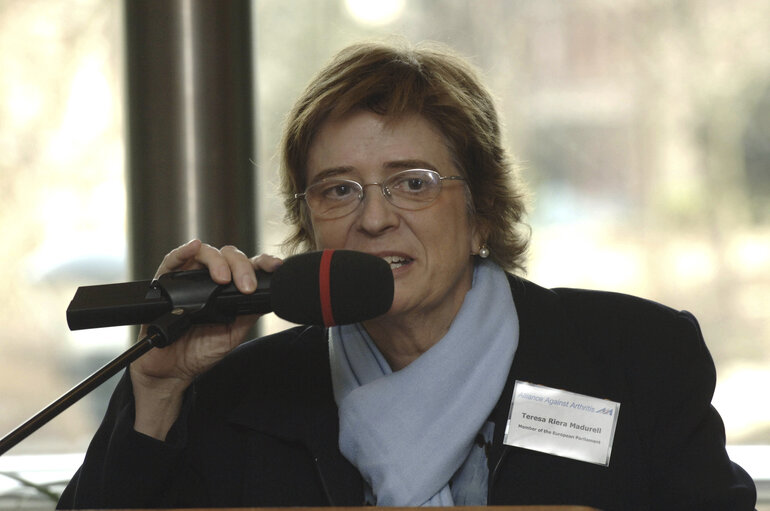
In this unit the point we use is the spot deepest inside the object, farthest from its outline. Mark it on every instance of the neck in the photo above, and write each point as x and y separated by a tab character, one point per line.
402	339
402	343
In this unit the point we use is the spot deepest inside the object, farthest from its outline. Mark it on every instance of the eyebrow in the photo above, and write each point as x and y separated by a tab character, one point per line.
331	172
390	165
409	164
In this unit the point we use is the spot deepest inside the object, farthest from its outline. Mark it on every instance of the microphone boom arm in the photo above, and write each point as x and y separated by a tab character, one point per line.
162	332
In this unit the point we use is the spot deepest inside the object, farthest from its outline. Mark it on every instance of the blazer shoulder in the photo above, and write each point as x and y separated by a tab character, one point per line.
611	321
631	315
592	302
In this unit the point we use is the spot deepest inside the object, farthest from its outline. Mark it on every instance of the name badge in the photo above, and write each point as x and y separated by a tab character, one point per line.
561	423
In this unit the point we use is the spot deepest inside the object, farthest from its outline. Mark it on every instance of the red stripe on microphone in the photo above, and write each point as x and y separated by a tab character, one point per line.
324	279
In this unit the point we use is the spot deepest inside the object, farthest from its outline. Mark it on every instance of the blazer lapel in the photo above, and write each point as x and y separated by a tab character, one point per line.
538	311
549	353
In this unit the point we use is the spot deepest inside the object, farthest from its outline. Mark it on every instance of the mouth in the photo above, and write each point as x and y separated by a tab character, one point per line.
396	262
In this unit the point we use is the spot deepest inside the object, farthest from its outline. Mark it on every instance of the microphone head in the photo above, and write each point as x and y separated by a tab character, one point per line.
331	287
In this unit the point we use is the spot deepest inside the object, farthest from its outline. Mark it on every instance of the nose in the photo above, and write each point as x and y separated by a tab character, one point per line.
377	214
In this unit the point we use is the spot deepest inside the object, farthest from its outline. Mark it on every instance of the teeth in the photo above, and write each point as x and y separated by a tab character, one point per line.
396	261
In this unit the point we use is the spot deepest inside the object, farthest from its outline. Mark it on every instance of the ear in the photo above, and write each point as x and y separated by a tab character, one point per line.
479	234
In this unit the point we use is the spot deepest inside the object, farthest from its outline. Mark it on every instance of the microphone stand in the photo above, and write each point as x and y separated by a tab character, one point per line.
162	332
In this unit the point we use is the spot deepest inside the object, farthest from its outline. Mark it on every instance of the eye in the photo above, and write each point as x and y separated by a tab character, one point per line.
415	183
412	182
337	190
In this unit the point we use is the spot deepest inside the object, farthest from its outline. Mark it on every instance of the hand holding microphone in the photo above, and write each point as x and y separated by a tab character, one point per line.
320	288
203	345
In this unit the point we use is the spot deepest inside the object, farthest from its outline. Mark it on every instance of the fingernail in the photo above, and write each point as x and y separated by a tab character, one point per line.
248	283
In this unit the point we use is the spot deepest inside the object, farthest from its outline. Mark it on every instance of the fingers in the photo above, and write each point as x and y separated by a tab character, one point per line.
180	258
266	262
216	262
194	255
225	264
240	268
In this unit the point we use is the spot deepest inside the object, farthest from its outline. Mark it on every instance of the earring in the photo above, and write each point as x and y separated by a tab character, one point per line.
484	251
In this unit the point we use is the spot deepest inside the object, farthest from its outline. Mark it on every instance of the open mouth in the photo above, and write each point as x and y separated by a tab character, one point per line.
397	261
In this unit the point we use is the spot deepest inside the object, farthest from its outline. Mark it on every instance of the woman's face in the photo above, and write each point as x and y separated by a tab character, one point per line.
429	249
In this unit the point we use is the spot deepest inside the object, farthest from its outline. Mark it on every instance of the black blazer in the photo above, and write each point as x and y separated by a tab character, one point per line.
260	429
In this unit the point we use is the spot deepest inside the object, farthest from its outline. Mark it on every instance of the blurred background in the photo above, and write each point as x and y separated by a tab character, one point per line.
642	128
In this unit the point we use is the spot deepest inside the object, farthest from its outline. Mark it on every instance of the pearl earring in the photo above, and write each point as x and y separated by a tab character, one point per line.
484	251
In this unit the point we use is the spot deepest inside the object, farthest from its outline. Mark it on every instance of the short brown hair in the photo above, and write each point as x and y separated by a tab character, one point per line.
434	82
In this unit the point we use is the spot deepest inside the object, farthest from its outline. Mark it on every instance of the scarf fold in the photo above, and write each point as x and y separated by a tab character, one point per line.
408	432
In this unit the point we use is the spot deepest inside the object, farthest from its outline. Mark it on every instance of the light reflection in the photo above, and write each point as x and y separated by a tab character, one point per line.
375	12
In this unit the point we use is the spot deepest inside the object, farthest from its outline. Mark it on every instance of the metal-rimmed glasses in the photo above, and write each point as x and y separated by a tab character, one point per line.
411	189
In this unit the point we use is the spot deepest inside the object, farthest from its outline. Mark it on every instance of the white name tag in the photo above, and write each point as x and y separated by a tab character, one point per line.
562	423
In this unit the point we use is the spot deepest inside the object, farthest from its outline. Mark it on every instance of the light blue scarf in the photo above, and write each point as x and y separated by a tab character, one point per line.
408	432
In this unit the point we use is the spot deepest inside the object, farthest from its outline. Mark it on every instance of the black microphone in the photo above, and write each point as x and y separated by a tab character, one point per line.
330	287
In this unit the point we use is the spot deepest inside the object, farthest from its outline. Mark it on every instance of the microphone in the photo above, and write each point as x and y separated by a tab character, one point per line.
326	288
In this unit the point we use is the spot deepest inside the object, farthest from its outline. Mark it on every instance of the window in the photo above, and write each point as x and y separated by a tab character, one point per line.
641	129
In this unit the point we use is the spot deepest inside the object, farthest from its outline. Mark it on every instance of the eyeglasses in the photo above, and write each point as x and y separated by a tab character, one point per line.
412	189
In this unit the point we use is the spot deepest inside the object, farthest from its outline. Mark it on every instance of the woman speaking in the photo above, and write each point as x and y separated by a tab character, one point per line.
477	387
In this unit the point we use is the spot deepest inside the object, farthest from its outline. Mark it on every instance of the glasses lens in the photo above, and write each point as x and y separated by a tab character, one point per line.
413	189
332	198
